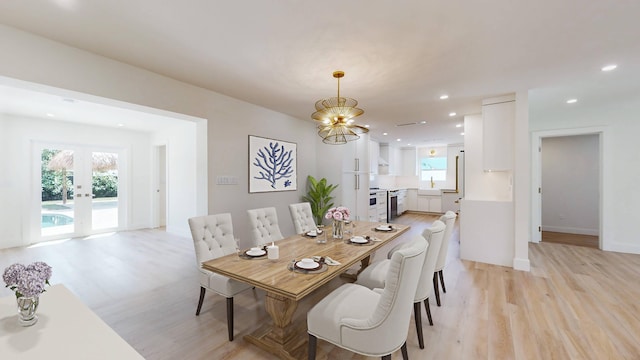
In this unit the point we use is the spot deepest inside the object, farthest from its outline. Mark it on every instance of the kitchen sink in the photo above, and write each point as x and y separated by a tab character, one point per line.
429	191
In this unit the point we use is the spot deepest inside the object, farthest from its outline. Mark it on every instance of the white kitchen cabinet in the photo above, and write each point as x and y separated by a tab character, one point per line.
383	160
381	202
395	161
355	155
412	200
402	201
354	186
451	201
498	119
355	194
338	165
430	203
374	154
409	162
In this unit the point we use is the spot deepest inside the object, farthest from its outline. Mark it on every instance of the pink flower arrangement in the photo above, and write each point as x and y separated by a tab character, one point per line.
338	213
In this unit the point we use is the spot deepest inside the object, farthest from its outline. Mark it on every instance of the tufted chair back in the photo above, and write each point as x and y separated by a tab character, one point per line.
449	219
434	235
212	236
264	225
302	217
390	320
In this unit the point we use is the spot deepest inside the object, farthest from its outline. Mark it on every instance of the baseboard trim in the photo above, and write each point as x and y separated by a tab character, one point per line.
521	264
623	248
571	230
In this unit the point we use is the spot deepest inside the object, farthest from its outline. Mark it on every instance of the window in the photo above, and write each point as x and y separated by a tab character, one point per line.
435	167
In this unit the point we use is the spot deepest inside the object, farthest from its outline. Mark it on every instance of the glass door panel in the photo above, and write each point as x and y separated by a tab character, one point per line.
57	210
104	190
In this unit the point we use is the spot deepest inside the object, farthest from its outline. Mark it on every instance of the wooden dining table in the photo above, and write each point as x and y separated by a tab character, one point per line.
285	287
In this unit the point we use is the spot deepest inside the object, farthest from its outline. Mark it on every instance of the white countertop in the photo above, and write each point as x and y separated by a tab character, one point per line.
66	329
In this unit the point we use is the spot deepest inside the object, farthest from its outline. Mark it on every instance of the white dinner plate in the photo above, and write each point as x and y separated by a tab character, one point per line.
359	240
384	228
308	266
255	253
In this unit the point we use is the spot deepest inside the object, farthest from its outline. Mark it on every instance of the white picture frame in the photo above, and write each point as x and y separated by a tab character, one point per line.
272	165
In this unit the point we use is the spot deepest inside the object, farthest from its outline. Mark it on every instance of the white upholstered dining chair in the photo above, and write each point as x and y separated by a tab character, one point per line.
264	225
302	217
374	276
368	322
449	219
212	238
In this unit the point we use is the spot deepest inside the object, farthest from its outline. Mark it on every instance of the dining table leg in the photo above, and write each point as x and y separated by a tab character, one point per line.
279	338
363	265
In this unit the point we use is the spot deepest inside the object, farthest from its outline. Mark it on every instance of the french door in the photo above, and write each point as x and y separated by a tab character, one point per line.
79	190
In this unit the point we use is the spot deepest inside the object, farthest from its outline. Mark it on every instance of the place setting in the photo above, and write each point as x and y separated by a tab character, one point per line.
313	233
312	265
361	240
308	266
255	253
385	228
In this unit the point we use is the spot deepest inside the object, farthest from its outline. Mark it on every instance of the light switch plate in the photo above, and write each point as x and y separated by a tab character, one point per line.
227	180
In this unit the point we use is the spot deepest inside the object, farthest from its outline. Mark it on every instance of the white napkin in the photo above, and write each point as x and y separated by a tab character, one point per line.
327	260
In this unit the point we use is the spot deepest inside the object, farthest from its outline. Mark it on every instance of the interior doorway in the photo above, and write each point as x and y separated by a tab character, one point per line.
160	187
570	189
568	192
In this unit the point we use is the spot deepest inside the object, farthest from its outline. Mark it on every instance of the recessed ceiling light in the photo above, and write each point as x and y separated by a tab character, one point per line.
408	144
385	134
462	133
444	97
609	67
452	114
50	115
458	125
398	139
572	101
120	125
423	122
367	125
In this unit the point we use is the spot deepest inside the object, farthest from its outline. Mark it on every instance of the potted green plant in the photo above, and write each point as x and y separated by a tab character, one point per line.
319	196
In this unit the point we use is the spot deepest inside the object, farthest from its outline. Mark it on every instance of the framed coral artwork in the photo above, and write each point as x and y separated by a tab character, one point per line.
272	165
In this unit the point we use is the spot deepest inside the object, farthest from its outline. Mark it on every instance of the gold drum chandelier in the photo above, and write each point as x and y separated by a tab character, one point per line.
335	115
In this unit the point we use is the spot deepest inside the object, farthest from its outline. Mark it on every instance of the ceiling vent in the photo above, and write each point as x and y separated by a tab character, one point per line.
407	124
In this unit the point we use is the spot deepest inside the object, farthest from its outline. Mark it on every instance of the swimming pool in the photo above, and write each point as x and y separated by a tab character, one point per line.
50	220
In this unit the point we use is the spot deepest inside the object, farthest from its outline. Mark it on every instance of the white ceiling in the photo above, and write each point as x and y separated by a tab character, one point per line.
398	56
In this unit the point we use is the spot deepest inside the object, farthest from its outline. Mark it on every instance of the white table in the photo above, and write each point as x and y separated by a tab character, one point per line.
66	329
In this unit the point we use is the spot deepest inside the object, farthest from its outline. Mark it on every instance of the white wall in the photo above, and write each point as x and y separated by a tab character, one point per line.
620	201
17	226
229	121
229	156
570	183
182	161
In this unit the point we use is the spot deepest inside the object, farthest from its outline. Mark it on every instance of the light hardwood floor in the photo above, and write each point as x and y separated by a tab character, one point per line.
576	303
570	239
